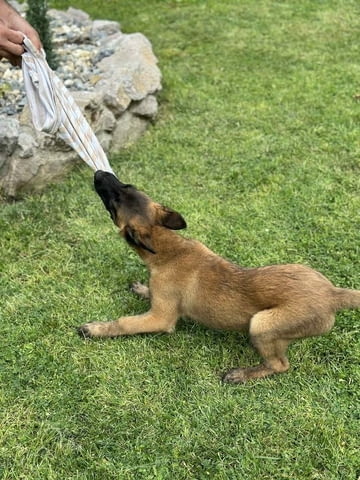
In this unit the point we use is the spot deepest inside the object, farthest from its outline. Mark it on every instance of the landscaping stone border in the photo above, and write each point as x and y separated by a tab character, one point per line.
113	77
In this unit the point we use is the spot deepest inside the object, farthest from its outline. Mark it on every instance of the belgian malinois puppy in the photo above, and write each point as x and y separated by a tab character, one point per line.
275	304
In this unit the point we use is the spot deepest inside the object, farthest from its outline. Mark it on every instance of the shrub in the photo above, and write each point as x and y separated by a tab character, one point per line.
37	16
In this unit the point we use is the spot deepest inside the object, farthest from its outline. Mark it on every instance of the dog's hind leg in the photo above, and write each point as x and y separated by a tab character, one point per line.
270	342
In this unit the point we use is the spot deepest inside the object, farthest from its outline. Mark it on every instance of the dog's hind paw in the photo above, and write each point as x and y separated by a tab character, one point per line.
235	375
242	375
84	331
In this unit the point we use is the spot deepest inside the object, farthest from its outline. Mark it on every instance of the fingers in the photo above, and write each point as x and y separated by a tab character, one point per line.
33	37
13	59
12	30
18	24
14	36
11	42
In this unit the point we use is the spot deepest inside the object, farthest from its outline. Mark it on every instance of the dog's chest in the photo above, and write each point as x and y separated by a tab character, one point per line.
214	306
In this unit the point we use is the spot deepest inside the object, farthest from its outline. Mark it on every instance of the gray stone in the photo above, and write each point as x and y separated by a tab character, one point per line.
103	53
58	15
145	108
10	110
27	144
35	173
3	158
105	140
117	101
25	117
78	16
70	16
87	100
104	28
112	41
9	134
133	66
128	129
106	122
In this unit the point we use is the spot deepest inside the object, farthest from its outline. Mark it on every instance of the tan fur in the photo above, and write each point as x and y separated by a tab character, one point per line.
275	305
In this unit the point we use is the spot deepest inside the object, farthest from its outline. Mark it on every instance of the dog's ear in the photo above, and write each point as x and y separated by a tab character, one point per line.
138	238
171	219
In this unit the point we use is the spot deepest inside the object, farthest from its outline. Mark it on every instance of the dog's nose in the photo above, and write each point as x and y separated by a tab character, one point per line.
107	180
98	174
102	178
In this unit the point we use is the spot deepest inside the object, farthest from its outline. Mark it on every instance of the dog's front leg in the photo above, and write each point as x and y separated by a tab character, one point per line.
152	321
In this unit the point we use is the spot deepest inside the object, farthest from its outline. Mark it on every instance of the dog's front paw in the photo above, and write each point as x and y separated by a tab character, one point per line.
235	375
94	329
140	289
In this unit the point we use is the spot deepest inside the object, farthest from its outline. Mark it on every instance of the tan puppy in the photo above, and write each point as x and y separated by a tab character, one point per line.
275	305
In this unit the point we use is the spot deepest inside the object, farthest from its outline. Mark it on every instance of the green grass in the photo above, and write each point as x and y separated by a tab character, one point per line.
257	145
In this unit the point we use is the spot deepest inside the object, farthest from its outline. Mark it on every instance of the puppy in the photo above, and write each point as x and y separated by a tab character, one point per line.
274	305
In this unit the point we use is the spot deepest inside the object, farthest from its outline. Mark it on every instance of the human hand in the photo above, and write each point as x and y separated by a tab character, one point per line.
12	30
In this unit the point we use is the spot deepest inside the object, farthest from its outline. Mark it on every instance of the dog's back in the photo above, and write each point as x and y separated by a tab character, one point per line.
220	294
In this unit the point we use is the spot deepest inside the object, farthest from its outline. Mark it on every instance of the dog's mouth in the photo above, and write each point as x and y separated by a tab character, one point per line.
119	198
106	184
109	189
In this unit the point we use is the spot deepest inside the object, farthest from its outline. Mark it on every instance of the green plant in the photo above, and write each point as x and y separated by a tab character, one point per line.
37	16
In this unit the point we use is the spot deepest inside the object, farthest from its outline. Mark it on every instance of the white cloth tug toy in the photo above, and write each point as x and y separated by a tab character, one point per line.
53	109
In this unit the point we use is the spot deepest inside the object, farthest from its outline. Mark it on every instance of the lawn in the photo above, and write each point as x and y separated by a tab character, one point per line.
257	145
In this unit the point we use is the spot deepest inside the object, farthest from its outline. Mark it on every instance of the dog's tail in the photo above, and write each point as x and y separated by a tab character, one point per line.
345	298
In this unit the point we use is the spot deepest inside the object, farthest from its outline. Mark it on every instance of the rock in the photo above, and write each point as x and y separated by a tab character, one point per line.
69	82
87	100
128	129
117	101
9	134
103	53
3	158
27	144
10	110
106	122
133	66
78	16
25	116
145	108
35	173
104	28
112	41
71	16
105	140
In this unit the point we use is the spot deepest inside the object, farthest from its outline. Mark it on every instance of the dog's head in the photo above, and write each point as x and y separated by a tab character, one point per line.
134	212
